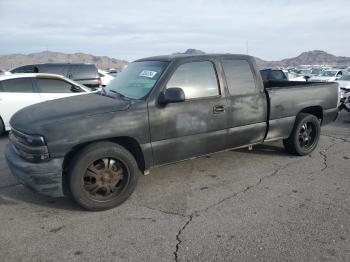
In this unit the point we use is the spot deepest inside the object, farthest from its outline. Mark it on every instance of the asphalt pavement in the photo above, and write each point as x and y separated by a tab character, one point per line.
241	205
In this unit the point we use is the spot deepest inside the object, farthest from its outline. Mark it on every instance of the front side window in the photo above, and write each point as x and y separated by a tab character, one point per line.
137	80
55	86
239	76
197	80
19	85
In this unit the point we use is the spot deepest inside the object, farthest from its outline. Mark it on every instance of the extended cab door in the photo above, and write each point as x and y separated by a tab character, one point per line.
247	103
56	88
196	126
16	94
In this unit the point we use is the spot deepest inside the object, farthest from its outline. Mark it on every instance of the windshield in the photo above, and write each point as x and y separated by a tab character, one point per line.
328	73
137	80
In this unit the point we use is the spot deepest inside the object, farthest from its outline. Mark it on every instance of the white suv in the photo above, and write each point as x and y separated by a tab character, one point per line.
20	90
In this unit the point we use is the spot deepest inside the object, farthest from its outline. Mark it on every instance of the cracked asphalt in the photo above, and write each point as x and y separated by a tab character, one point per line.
260	205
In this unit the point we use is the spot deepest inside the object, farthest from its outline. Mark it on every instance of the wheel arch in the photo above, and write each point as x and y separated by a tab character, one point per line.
313	110
128	143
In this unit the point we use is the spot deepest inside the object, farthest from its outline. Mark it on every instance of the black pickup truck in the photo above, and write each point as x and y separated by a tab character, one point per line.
160	110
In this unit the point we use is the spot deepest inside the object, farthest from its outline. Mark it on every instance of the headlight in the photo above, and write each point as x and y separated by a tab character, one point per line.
30	147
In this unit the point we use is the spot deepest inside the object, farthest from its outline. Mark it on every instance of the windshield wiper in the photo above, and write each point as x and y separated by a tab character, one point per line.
120	95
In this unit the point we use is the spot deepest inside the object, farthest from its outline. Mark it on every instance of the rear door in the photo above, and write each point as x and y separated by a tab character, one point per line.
56	88
16	94
247	103
196	126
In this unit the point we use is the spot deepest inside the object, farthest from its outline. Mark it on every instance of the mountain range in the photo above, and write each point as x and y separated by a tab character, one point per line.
103	62
316	57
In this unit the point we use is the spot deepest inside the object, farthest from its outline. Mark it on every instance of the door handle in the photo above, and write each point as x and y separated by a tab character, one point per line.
218	109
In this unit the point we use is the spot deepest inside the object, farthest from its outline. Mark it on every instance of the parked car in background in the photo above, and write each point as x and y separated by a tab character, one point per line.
20	90
113	72
85	74
304	74
344	82
105	77
328	75
344	88
161	110
273	74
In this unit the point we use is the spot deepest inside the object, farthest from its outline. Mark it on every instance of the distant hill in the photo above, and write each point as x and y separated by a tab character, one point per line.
315	57
103	62
191	51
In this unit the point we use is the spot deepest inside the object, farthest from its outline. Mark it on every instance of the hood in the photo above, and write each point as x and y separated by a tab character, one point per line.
30	118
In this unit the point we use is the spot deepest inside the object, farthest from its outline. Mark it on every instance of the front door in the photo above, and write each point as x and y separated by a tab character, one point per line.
16	94
195	127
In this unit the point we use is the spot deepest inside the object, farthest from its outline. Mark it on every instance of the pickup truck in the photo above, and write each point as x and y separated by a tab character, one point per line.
160	110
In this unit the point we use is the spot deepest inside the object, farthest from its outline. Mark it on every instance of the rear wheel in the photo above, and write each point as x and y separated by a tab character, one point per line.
102	176
2	127
305	135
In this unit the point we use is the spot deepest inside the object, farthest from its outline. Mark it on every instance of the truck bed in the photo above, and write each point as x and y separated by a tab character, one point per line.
321	98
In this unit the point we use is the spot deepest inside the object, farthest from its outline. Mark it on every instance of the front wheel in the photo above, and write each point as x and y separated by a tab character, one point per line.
305	135
102	176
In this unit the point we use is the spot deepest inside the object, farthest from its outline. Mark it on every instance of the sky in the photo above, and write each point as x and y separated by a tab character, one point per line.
131	29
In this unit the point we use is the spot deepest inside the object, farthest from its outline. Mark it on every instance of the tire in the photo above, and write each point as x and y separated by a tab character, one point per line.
2	127
302	141
102	176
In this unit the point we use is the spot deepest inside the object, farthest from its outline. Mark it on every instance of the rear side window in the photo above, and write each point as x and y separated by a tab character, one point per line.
80	72
264	74
277	75
239	76
20	85
55	86
197	79
54	69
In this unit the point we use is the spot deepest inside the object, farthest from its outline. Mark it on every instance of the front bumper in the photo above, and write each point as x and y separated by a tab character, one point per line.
44	178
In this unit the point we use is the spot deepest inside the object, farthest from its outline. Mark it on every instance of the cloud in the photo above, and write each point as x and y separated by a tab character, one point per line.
274	29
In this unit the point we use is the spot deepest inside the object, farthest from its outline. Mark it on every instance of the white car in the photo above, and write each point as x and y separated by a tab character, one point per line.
20	90
329	75
344	82
105	77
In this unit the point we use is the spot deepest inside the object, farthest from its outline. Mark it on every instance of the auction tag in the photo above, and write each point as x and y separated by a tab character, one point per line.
148	73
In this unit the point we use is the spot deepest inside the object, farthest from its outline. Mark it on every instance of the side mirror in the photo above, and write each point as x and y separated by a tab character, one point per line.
171	95
76	89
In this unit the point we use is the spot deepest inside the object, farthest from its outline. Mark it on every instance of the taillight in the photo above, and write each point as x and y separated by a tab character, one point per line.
99	82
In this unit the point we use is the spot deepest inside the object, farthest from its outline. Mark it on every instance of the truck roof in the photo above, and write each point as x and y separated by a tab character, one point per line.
178	57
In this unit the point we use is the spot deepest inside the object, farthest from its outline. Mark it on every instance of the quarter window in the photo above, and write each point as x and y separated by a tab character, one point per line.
19	85
55	86
239	77
197	79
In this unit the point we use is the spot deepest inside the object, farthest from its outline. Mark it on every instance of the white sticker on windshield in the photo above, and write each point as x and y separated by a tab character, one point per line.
147	73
